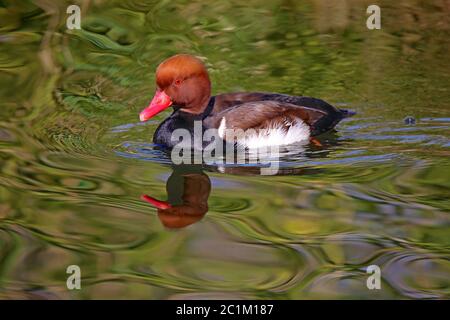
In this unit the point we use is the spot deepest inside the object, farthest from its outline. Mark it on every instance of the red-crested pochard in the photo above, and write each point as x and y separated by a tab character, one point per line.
274	119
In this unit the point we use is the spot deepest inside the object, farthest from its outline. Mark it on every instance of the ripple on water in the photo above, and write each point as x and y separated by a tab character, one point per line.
376	192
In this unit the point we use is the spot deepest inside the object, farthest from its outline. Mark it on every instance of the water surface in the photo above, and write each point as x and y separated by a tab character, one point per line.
75	161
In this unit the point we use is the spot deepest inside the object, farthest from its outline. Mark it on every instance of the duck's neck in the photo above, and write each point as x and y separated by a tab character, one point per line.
197	106
205	110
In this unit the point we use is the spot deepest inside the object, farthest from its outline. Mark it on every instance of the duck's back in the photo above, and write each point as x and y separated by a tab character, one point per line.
321	116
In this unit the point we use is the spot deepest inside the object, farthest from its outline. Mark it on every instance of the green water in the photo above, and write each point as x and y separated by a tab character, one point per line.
75	161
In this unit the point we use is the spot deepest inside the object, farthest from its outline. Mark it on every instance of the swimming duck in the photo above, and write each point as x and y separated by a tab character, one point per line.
273	119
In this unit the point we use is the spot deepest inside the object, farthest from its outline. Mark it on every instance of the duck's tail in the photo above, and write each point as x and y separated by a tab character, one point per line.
347	113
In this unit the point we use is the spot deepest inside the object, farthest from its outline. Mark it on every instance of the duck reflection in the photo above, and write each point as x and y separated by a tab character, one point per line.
188	187
188	190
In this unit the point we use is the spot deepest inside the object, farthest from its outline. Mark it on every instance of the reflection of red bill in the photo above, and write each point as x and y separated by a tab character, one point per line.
160	102
156	203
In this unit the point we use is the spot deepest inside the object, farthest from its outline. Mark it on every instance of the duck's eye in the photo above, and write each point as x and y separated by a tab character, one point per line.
178	82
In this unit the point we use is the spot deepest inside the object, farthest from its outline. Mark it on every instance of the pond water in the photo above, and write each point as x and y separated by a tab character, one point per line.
75	162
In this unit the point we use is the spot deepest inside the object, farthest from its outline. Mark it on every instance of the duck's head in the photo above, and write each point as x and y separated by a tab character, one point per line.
181	81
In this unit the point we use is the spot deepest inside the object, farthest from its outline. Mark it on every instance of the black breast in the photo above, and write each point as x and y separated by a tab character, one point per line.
177	120
190	123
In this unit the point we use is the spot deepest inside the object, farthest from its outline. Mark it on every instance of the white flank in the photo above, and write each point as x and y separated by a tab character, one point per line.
222	128
271	136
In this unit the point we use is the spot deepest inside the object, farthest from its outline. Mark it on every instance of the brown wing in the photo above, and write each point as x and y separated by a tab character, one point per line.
320	115
263	114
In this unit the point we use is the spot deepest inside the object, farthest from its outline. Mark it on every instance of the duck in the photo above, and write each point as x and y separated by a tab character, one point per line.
272	119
